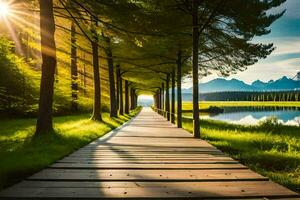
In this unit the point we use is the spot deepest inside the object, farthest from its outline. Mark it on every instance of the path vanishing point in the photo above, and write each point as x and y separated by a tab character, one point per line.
147	158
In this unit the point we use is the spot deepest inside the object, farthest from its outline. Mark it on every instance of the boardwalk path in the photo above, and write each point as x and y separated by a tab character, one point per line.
148	158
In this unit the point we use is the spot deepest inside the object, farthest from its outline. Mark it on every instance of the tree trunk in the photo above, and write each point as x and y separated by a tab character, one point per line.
126	97
168	97
179	98
159	100
84	75
131	99
195	71
112	92
121	106
135	100
97	85
118	74
74	72
162	98
173	98
48	49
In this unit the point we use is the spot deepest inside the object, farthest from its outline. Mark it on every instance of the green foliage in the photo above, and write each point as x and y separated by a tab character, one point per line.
22	154
270	124
16	93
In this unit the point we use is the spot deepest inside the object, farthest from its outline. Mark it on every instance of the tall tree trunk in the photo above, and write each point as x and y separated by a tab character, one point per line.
173	98
118	74
195	70
74	72
112	91
84	75
162	98
179	98
48	49
159	100
133	99
97	85
126	97
168	97
121	106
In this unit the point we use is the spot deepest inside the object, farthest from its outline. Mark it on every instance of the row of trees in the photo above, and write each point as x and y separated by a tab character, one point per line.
251	96
149	46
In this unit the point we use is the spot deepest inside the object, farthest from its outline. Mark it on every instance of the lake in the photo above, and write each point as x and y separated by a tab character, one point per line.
253	115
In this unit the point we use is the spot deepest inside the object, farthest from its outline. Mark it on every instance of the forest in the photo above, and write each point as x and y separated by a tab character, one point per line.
251	96
64	56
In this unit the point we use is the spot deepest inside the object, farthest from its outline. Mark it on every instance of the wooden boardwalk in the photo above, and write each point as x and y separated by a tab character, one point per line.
148	158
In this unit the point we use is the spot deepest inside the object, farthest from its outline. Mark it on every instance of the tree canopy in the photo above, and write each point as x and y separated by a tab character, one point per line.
153	44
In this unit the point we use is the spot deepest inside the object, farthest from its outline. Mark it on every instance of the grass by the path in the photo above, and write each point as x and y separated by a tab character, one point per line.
271	150
206	104
21	154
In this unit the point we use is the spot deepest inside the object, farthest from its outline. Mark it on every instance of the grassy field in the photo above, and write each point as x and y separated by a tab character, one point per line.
21	154
271	150
207	104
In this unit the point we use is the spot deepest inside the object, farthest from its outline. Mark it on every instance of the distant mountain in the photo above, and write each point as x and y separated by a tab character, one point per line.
259	84
283	84
220	84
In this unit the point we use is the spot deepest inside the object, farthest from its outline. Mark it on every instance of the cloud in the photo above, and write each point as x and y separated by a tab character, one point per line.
292	7
285	45
264	70
271	70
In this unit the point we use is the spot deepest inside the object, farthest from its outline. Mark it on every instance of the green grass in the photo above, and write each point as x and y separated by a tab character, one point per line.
271	150
22	154
206	104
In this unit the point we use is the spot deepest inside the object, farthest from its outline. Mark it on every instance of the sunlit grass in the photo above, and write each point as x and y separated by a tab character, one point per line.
22	154
271	151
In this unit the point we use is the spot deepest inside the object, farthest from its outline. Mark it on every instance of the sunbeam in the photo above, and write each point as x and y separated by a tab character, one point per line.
4	9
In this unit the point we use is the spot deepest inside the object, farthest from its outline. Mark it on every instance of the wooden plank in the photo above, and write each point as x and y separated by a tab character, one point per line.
142	155
162	175
143	190
146	162
87	159
146	166
182	149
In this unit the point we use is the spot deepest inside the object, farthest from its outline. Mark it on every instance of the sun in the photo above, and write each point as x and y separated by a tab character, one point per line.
4	9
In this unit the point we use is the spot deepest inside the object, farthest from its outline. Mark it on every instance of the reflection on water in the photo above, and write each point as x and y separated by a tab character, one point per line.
253	115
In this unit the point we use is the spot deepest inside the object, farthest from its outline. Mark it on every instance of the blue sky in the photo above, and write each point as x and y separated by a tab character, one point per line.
285	60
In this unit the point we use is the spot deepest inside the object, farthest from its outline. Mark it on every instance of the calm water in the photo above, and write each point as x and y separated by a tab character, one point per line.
253	115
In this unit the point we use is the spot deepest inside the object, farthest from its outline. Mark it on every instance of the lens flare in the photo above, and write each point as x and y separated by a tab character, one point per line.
4	9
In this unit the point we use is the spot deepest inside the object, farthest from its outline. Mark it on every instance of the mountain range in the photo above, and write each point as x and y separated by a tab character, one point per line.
220	84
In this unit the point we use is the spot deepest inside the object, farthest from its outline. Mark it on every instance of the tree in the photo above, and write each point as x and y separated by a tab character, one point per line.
167	109
97	87
179	98
173	97
74	72
126	97
196	126
113	102
48	49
